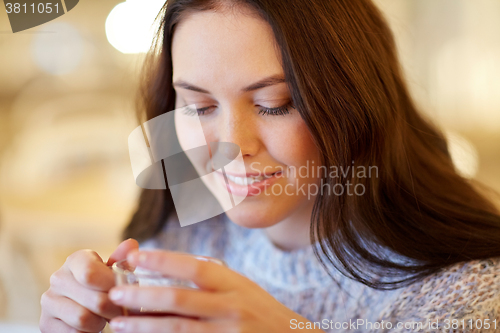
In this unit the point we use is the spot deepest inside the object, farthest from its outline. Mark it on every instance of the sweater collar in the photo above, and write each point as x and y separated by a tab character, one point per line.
263	260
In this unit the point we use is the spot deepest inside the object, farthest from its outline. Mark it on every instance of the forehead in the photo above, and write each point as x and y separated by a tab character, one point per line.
227	44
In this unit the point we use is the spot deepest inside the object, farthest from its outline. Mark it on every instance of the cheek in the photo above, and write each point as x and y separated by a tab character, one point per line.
192	139
183	128
189	130
292	144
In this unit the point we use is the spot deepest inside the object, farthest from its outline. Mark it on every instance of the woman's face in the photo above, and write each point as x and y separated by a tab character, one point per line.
227	65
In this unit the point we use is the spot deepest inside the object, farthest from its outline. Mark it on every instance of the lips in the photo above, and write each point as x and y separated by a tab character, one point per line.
250	184
248	179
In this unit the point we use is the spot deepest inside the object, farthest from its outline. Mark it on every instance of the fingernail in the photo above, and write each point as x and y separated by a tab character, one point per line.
117	325
116	295
132	256
142	257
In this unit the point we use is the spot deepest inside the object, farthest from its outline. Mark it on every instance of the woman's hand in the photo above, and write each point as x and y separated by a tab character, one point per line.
226	302
77	300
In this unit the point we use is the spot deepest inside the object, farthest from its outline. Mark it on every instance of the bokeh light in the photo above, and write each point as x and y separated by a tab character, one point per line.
59	50
463	154
130	25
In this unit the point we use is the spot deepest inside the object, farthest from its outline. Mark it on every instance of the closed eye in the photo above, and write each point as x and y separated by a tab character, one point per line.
278	111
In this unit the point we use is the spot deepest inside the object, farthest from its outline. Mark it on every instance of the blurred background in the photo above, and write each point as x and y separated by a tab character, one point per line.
67	93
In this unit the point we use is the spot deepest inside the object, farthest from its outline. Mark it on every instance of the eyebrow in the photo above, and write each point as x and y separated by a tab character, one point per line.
266	82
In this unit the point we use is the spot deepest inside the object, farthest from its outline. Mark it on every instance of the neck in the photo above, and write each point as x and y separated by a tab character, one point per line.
291	233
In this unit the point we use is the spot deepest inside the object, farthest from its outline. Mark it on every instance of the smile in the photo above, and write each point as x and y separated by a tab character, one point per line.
248	186
248	180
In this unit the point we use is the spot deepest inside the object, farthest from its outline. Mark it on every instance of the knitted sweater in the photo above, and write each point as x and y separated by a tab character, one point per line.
462	298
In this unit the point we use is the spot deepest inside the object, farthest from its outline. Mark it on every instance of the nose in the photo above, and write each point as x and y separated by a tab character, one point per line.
237	125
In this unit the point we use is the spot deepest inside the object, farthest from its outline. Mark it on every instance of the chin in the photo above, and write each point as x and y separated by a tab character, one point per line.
251	217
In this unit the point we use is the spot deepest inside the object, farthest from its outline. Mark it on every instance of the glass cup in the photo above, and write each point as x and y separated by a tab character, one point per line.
126	274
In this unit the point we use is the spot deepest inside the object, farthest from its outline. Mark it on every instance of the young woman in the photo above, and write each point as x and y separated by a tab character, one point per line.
395	240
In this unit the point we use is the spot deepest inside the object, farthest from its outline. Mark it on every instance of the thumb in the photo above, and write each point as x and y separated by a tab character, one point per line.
122	250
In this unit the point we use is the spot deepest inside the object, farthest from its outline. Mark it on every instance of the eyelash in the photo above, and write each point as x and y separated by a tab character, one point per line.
278	111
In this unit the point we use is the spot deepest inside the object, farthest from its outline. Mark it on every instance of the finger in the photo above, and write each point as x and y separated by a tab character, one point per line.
122	250
63	283
51	325
90	271
206	275
165	325
73	314
187	302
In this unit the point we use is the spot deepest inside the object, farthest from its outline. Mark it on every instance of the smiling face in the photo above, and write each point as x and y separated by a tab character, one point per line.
227	65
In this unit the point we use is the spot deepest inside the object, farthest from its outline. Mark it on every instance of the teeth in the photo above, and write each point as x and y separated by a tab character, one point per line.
246	180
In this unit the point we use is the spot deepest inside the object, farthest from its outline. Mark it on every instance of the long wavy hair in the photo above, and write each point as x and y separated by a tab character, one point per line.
340	63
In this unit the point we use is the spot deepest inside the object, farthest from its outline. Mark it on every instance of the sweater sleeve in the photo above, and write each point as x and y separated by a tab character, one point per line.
462	298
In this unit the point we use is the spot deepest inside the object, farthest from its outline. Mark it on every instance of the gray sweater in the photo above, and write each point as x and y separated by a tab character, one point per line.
461	298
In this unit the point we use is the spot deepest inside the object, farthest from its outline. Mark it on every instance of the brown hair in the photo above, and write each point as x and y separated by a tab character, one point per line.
419	215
